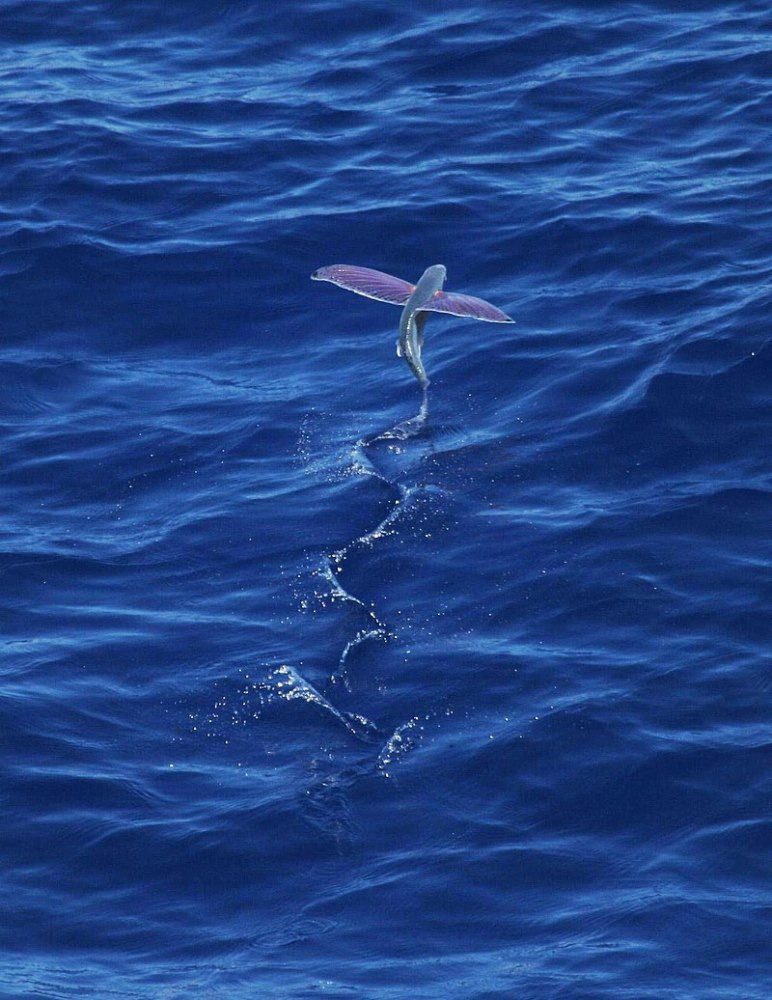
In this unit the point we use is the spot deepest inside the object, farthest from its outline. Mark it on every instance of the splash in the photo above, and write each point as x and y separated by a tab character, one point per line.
286	682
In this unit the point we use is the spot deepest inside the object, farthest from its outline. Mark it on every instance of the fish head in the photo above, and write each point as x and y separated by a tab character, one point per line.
436	274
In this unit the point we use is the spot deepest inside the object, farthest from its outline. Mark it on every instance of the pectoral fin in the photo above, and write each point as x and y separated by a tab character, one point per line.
456	304
367	281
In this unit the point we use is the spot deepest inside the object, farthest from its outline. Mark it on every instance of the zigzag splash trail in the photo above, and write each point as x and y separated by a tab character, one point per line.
374	628
285	682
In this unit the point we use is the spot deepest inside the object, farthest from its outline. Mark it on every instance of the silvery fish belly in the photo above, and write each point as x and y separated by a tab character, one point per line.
409	346
413	319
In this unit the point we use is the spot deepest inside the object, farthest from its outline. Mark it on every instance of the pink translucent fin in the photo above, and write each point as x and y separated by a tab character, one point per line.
466	305
366	281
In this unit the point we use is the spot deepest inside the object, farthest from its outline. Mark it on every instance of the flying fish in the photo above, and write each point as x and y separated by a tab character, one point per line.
417	301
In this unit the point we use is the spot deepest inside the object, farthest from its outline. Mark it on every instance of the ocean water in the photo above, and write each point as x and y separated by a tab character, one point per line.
307	691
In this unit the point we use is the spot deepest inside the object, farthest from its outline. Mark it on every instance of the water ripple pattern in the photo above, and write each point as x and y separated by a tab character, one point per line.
301	696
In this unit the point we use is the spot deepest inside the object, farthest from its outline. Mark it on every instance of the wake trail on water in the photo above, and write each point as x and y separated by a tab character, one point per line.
365	465
287	683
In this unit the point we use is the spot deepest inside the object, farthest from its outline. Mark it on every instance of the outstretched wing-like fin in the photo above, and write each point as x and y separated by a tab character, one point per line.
366	281
457	304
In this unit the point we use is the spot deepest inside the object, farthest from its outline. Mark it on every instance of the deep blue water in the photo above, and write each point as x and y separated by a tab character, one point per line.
297	701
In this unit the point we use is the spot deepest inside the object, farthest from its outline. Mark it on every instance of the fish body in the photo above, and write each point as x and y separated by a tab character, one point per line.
413	320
